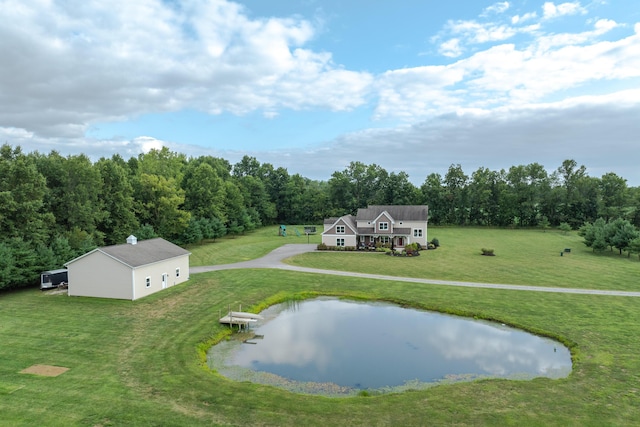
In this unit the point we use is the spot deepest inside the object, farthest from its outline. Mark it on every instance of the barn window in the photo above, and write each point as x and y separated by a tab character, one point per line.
177	272
147	281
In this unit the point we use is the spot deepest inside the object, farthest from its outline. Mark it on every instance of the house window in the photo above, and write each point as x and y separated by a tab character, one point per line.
177	272
385	240
383	226
147	281
417	232
339	242
340	229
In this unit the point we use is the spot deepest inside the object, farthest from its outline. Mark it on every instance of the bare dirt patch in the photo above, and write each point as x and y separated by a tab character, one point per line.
57	291
45	370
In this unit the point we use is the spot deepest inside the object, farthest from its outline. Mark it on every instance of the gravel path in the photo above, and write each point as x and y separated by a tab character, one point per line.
274	260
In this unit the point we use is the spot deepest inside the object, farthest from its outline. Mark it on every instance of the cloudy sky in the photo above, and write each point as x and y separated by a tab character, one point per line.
311	85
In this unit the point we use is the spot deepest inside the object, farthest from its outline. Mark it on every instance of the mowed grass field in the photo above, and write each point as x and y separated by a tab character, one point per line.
522	257
140	363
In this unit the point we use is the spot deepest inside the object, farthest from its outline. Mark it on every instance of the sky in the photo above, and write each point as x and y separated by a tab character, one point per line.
313	85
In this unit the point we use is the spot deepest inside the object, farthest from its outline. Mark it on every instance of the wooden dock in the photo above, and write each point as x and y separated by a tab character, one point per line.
240	319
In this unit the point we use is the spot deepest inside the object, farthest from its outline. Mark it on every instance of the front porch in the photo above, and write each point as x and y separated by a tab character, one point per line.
371	242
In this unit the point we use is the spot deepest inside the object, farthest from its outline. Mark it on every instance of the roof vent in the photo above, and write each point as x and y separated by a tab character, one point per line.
132	240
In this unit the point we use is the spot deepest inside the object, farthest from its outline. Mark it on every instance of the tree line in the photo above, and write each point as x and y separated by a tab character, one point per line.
54	208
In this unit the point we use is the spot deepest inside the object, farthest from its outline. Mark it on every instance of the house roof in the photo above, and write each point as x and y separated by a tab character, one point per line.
397	231
397	212
348	220
142	253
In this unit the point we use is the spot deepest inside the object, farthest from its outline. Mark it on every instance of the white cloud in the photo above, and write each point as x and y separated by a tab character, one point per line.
451	48
416	92
477	32
496	8
550	10
507	74
597	131
148	143
603	26
67	66
519	19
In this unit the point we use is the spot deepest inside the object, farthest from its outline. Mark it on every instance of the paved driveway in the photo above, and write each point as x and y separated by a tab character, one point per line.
274	260
271	260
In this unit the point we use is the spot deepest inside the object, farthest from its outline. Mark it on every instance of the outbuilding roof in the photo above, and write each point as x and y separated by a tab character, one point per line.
142	253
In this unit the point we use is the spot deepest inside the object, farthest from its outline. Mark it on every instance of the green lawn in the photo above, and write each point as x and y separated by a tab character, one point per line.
243	248
138	363
523	257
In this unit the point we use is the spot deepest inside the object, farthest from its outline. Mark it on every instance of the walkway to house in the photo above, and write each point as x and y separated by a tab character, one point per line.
274	260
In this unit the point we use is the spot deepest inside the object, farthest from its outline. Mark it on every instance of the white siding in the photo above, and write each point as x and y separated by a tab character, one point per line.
155	271
98	275
422	225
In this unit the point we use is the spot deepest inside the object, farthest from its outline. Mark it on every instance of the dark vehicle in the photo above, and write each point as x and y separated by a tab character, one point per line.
53	279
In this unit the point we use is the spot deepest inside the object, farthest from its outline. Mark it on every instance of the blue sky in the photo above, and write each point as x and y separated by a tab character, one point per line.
309	85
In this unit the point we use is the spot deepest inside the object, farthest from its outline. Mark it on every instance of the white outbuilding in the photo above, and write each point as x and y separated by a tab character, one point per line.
128	271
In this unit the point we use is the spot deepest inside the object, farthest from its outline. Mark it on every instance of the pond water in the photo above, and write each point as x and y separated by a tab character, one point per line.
337	347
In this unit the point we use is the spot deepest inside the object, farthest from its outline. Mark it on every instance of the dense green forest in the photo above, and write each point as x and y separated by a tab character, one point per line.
54	208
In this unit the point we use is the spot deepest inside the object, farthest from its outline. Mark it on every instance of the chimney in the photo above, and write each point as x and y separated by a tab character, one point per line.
132	240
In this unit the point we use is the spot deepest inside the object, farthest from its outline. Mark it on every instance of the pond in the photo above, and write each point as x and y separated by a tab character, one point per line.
335	347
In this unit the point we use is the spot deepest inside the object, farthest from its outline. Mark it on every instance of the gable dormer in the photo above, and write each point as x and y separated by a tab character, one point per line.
341	226
383	223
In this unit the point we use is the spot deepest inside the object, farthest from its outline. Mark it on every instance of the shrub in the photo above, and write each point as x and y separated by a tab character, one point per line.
487	252
324	247
435	242
412	247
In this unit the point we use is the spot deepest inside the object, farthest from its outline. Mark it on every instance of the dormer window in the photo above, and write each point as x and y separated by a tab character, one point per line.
383	226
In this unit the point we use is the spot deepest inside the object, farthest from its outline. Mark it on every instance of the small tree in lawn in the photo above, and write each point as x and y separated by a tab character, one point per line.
619	233
592	231
599	243
634	247
564	227
544	223
594	235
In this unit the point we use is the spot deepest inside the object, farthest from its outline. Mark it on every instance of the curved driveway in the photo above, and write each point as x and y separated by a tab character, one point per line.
275	257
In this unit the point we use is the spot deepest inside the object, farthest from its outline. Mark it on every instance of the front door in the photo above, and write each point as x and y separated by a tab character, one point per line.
164	280
400	241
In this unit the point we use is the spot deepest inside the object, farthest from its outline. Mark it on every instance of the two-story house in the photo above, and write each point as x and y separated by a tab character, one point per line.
396	226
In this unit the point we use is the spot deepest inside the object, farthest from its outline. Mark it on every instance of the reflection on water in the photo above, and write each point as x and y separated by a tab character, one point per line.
350	346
